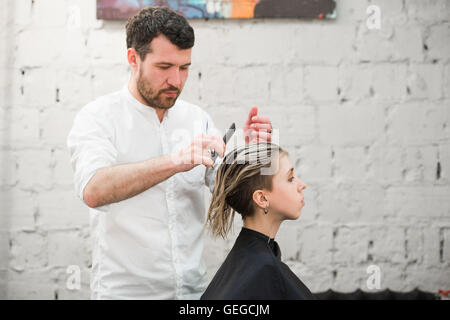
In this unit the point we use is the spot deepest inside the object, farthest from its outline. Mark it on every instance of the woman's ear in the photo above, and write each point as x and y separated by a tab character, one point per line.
261	199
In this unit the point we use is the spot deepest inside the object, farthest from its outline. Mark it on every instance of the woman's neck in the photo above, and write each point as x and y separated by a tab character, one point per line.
264	225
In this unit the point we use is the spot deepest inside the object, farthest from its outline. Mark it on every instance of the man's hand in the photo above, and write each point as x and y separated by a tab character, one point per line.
198	152
121	182
257	128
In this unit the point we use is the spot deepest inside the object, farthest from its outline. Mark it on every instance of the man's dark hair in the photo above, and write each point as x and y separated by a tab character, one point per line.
150	22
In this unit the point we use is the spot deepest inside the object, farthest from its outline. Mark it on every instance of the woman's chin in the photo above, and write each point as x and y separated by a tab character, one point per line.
295	215
299	212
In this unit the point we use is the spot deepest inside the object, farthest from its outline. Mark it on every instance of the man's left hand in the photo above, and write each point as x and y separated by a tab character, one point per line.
257	128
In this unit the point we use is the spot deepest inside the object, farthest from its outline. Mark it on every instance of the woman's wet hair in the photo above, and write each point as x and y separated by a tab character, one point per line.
243	171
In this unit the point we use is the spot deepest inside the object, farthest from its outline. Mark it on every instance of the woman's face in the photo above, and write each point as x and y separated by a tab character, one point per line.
286	197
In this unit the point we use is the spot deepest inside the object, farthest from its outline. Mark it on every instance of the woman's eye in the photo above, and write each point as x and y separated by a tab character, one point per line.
291	179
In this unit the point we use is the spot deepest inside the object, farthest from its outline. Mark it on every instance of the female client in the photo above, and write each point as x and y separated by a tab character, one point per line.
259	183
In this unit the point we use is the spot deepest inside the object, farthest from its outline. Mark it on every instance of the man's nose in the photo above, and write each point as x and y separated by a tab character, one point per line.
175	78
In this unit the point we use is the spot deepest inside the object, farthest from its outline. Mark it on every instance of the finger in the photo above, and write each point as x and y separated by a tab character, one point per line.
196	155
253	112
261	119
203	139
261	136
247	132
261	126
250	136
209	137
207	161
207	158
215	143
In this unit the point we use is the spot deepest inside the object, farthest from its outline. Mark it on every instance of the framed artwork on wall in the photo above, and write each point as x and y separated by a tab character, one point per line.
223	9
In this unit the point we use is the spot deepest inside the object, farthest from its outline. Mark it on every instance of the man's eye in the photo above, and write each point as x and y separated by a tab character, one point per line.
164	68
291	179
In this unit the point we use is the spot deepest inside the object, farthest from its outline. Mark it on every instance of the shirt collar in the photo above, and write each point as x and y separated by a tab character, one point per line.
144	108
256	234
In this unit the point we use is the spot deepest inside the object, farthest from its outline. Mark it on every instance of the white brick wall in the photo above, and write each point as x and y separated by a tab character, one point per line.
364	114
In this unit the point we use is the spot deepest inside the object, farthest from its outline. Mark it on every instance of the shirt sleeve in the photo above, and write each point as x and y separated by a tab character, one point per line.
90	143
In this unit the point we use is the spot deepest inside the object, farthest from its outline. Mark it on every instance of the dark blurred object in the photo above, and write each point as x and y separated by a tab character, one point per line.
380	295
295	9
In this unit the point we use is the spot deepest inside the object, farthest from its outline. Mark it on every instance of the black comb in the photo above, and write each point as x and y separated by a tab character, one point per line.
226	138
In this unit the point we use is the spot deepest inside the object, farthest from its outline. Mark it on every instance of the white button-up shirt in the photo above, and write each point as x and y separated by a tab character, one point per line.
149	246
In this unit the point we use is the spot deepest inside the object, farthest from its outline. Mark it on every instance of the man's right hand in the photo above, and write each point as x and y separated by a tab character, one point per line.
121	182
198	152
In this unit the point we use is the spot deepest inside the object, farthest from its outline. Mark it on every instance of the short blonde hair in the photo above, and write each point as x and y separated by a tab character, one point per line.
237	178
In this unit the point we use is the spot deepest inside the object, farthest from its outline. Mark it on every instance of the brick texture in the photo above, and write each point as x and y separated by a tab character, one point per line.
364	114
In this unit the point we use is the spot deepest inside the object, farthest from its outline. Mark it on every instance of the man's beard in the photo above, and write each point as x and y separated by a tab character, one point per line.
159	100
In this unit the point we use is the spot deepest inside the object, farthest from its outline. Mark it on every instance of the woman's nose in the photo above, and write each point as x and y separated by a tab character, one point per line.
301	185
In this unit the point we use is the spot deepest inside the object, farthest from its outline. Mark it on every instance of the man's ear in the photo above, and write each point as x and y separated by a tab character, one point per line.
133	58
261	199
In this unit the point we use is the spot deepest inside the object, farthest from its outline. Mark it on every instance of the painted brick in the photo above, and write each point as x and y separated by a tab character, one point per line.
364	115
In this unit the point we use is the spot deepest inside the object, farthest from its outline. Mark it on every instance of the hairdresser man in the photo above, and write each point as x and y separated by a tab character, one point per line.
140	159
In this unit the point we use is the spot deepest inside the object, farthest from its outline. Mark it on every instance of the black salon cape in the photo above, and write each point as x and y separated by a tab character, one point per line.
253	270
